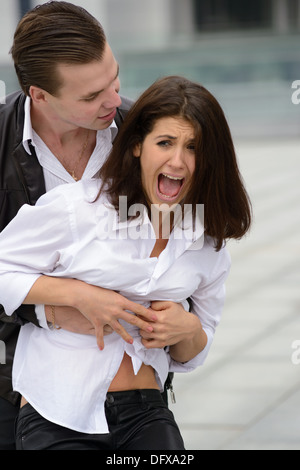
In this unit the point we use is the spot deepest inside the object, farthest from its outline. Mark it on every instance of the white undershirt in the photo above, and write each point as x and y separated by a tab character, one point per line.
54	172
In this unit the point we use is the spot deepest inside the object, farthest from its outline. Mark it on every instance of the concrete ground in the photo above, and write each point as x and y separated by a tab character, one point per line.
247	395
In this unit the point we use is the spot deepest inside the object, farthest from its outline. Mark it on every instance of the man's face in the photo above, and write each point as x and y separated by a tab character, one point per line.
89	95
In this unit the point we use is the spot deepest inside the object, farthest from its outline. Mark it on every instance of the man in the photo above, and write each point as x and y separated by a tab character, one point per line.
58	130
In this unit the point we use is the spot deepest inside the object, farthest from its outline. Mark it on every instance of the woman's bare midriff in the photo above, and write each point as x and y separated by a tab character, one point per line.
125	378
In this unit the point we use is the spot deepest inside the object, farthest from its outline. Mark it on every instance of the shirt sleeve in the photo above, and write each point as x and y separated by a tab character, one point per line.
207	304
31	245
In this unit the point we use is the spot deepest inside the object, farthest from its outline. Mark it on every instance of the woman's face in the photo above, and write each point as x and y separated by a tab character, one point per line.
167	160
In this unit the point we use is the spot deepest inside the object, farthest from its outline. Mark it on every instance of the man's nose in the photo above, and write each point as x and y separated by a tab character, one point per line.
113	99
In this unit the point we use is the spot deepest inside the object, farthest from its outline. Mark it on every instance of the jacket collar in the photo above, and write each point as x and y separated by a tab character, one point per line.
27	128
29	170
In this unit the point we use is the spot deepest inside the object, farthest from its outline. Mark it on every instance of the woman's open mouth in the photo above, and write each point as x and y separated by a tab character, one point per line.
169	187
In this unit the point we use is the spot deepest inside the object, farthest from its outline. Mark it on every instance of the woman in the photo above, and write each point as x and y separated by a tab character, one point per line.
173	154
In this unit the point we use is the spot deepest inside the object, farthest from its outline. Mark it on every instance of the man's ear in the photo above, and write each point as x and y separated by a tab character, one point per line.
38	95
137	150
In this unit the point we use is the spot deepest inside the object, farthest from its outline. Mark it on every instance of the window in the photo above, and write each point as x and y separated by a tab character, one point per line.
232	14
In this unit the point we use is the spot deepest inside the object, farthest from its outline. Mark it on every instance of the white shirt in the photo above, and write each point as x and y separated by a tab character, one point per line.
54	171
64	375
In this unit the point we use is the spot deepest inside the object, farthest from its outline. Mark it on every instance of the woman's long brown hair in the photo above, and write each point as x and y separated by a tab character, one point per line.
217	182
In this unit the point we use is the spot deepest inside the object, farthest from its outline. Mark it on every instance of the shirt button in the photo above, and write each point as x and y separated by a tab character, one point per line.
110	399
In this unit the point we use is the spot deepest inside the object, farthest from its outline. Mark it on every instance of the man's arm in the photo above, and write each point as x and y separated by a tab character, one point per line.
100	306
70	319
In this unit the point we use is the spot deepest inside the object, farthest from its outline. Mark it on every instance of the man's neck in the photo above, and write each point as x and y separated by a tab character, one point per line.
70	145
53	131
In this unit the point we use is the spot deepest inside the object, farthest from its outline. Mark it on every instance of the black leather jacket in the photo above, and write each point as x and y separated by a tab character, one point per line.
21	182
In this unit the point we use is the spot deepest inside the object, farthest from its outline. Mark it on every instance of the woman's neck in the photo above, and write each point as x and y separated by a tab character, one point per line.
162	222
159	247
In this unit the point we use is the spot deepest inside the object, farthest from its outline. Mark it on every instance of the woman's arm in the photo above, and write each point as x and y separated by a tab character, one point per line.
100	306
190	334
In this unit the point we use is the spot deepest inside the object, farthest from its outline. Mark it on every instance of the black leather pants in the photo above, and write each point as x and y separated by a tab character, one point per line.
8	414
137	420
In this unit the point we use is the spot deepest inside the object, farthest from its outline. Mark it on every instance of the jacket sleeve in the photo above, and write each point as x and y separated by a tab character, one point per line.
21	181
23	315
123	110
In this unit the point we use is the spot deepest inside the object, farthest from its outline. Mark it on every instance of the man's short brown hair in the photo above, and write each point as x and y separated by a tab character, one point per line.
51	34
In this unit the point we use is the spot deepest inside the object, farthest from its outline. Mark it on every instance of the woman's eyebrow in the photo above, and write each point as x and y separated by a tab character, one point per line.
166	136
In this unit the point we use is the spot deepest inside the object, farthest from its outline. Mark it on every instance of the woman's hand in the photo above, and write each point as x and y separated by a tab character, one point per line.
177	328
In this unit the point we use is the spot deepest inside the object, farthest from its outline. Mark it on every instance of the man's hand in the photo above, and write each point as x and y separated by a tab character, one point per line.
104	307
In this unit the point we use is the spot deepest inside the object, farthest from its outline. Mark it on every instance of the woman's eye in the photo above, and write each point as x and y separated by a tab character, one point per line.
191	147
163	143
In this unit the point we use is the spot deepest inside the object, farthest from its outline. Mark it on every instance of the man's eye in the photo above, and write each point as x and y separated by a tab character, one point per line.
88	100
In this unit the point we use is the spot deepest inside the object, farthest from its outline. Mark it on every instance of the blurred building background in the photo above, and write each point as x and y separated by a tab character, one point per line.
247	53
